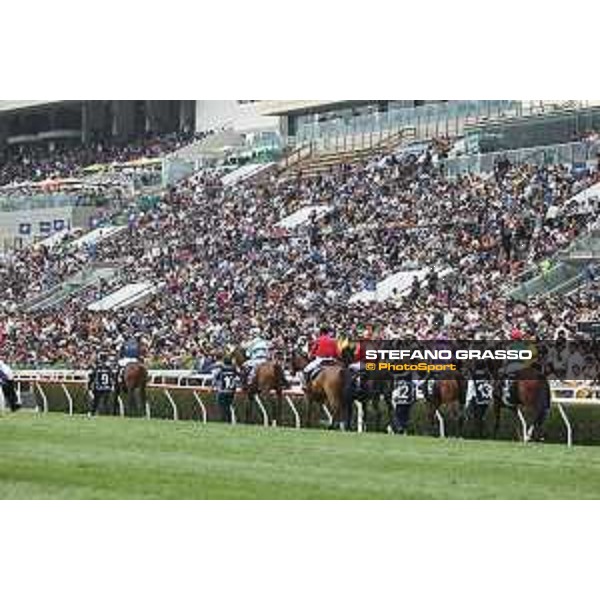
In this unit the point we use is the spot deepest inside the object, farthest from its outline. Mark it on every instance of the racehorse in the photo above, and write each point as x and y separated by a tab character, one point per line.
331	387
446	389
269	376
133	378
374	393
531	391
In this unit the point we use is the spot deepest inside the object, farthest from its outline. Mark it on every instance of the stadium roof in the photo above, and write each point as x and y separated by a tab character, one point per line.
10	105
287	107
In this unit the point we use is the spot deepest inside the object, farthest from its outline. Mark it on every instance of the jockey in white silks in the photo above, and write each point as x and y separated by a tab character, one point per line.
258	352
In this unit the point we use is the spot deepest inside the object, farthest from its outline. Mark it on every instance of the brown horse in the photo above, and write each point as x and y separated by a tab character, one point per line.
269	376
332	388
531	392
446	389
133	378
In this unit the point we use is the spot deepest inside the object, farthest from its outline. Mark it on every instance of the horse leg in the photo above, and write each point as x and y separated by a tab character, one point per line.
461	420
376	404
278	406
543	408
249	396
132	400
479	413
347	402
309	404
400	418
143	400
497	409
431	408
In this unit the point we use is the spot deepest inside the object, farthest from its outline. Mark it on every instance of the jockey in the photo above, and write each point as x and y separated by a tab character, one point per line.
323	349
131	351
258	351
360	350
518	342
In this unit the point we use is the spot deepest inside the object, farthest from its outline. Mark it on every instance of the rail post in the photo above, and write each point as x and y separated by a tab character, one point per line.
40	389
201	405
360	422
173	405
328	414
294	410
523	425
441	424
567	423
262	408
69	398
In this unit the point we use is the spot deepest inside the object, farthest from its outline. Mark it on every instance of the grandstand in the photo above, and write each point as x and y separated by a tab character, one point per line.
356	201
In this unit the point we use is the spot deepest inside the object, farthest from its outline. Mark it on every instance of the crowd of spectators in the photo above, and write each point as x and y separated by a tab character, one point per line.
229	269
37	163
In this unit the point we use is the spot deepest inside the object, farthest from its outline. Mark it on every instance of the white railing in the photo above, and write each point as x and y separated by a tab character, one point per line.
563	393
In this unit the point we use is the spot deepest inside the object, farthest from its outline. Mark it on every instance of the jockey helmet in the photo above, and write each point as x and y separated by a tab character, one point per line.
516	334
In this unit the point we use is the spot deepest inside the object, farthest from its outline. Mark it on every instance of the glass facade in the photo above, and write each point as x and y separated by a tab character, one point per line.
428	118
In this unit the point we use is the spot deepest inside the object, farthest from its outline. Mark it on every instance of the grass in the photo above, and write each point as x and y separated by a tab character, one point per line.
56	456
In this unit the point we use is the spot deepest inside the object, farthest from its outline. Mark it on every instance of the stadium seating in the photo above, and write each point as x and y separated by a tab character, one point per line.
245	255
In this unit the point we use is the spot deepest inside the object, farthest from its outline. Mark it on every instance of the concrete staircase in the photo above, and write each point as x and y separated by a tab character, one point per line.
83	280
312	158
567	274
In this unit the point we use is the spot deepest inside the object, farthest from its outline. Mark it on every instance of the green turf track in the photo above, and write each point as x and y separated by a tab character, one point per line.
55	456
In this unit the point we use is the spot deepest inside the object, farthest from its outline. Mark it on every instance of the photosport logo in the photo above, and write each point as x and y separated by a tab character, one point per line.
573	360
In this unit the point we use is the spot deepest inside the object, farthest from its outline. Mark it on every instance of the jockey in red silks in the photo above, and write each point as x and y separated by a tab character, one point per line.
360	351
324	348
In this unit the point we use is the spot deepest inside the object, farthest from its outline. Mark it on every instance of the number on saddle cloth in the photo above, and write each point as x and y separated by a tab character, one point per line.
480	391
403	391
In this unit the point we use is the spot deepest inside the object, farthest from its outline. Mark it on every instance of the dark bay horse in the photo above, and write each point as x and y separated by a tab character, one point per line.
446	389
133	378
269	376
332	387
375	394
530	391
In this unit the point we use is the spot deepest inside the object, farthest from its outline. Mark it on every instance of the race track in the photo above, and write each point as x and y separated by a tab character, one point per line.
55	456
